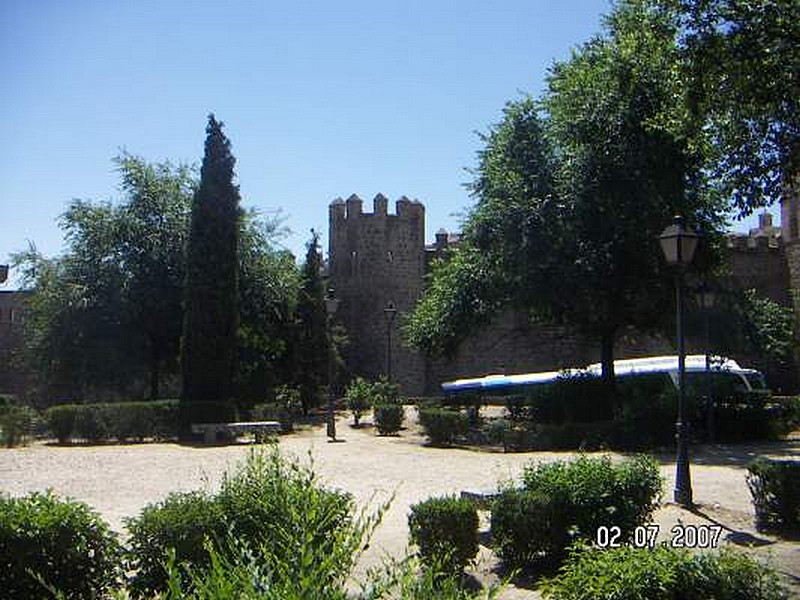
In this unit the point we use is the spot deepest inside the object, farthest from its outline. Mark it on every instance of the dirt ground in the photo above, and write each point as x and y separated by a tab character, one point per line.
119	480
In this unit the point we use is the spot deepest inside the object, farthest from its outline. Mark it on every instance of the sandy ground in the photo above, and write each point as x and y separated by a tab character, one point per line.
118	480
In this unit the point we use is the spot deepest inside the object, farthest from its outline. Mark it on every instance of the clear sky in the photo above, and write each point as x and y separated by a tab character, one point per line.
320	99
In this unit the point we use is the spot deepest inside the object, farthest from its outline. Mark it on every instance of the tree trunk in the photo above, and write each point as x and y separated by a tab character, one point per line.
155	376
607	366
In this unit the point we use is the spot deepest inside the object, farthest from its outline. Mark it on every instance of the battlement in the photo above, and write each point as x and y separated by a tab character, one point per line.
752	243
353	208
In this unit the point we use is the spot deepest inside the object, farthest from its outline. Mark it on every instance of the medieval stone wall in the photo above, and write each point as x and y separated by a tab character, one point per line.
376	259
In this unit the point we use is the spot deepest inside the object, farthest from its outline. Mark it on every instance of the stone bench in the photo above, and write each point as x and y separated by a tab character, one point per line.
259	428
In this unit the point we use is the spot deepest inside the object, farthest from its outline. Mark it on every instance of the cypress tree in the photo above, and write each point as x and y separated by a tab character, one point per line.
313	345
208	345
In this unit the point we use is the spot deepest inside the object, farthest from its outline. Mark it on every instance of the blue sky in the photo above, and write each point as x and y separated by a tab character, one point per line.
320	99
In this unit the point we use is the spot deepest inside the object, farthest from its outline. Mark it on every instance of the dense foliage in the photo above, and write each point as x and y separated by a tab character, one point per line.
61	544
442	426
273	504
104	321
445	530
775	490
572	192
663	573
359	398
388	417
211	286
122	421
561	503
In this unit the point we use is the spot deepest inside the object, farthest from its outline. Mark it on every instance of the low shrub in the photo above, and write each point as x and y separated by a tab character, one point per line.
180	524
442	426
529	529
385	392
16	424
359	398
119	420
270	511
564	502
388	418
663	573
61	541
566	436
91	423
61	421
446	532
775	491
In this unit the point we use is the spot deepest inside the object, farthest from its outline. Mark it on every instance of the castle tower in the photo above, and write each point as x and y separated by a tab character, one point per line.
376	259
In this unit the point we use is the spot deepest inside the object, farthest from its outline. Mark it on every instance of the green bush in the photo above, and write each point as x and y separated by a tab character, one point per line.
663	573
61	421
299	535
16	424
181	523
279	501
775	490
442	426
569	399
446	532
63	542
120	420
566	436
359	398
388	418
564	502
529	529
385	392
91	423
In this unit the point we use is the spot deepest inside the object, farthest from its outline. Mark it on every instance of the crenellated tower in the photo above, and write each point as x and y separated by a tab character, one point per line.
376	259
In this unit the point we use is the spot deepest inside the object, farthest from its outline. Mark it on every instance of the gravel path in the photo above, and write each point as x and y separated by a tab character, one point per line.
118	480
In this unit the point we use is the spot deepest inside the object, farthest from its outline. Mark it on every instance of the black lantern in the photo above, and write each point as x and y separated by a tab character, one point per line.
678	244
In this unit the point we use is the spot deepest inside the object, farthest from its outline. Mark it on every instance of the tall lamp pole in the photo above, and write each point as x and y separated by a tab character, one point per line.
678	244
390	312
331	306
706	298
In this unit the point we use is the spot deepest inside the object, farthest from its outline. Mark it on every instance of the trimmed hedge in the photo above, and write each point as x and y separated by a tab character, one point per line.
62	541
775	490
663	573
388	418
122	421
445	530
442	426
564	502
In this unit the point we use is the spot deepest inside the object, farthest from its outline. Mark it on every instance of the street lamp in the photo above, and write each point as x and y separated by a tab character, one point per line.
331	306
678	244
389	313
705	298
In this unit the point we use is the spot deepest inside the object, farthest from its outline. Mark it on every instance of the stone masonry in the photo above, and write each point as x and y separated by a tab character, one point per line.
377	258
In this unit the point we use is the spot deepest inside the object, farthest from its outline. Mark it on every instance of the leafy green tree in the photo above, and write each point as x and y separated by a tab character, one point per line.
313	346
208	346
741	61
269	283
151	239
573	192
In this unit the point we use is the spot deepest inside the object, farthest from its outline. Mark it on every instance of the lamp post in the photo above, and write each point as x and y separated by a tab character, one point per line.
705	299
389	313
331	306
678	244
